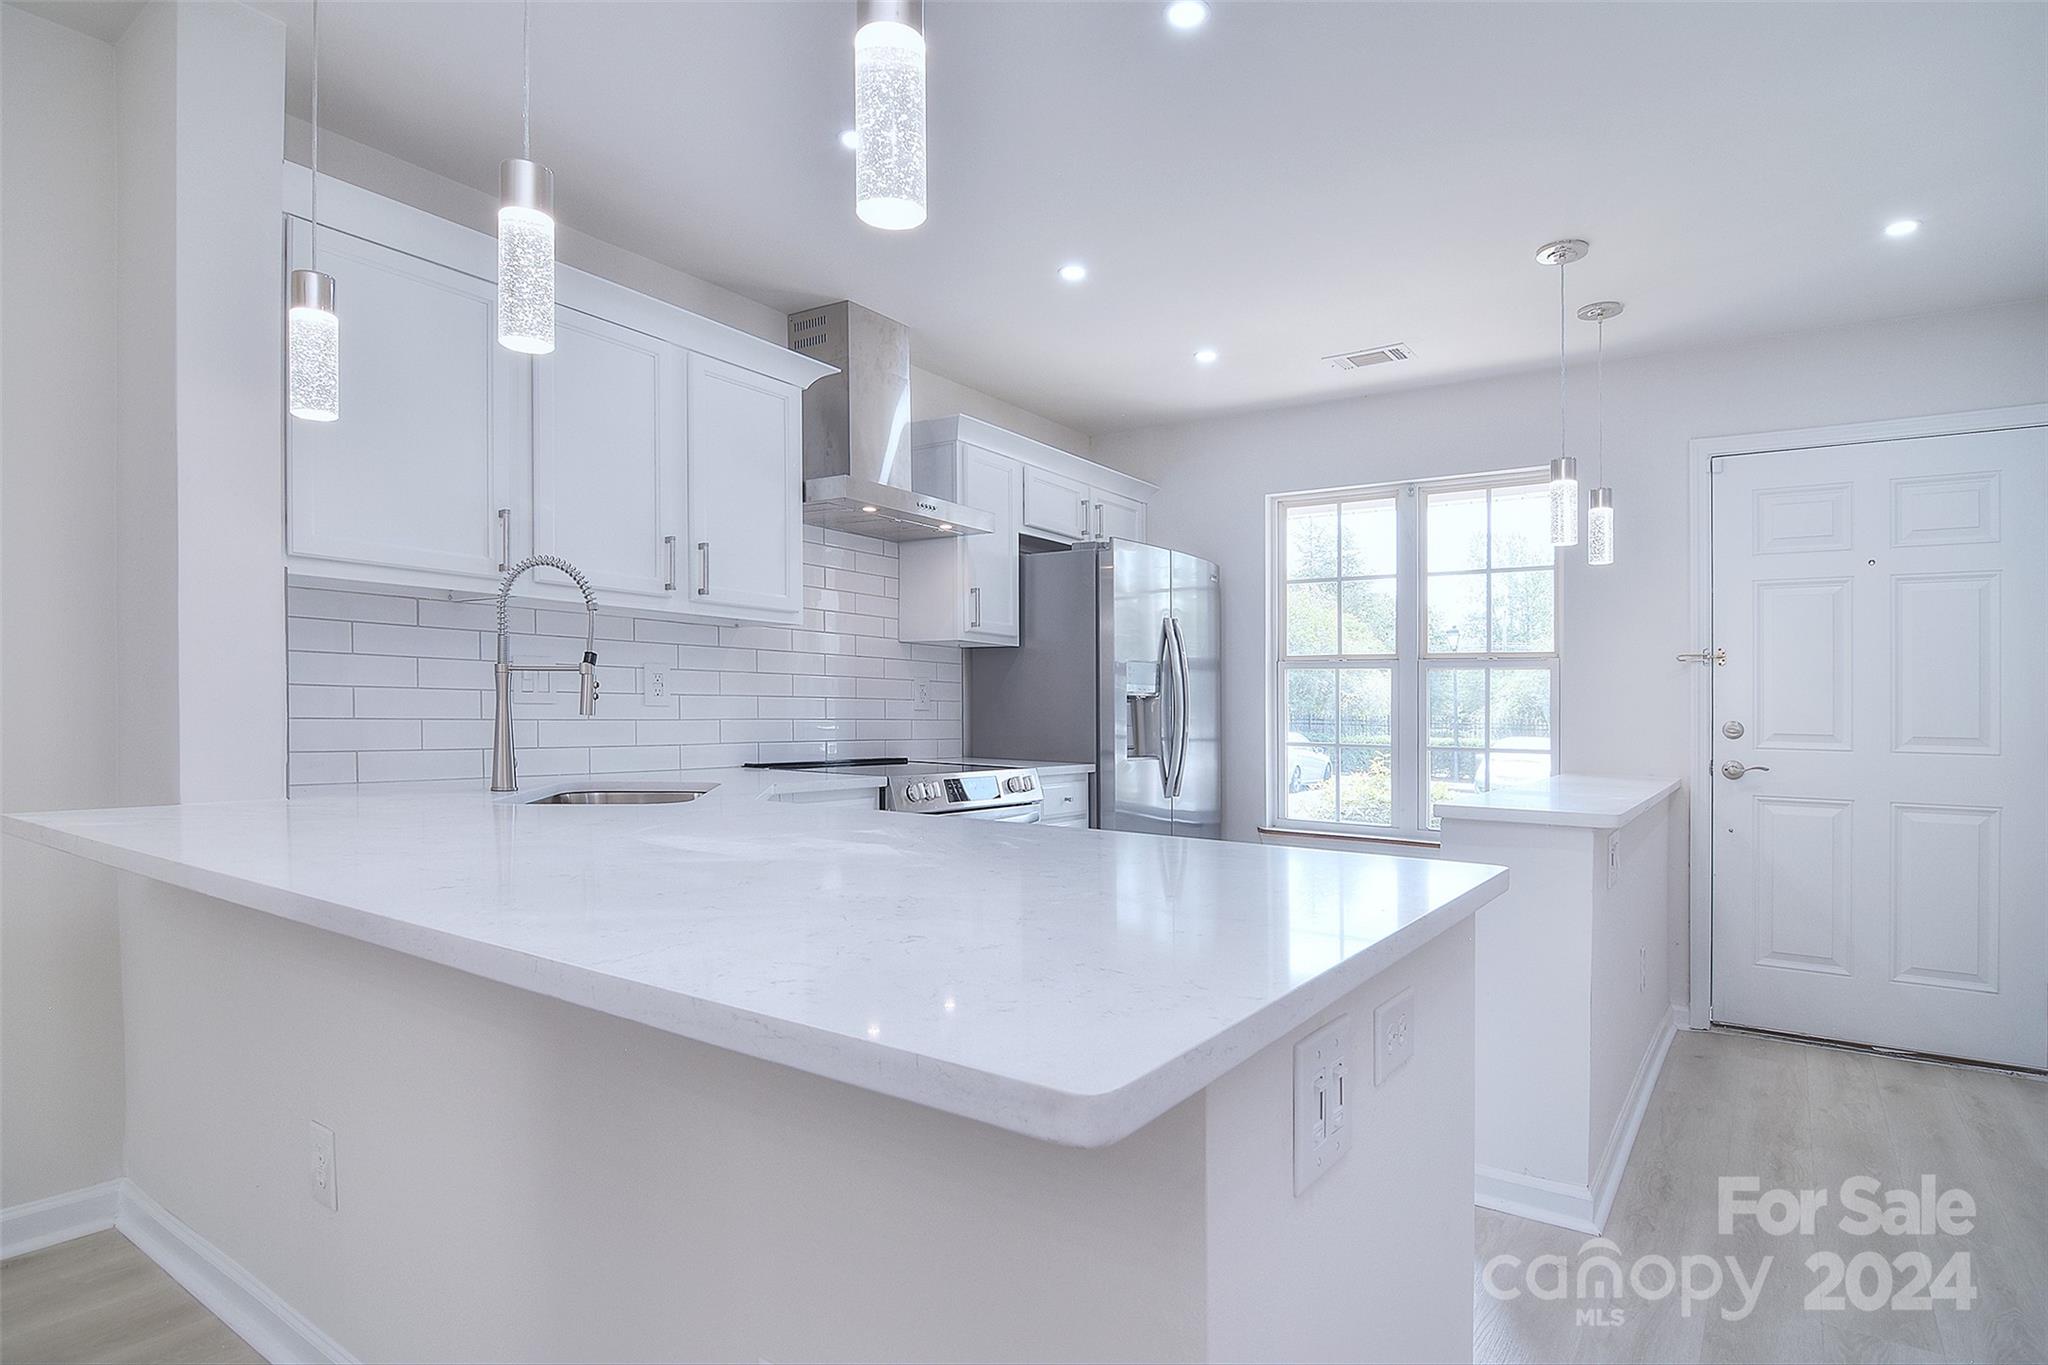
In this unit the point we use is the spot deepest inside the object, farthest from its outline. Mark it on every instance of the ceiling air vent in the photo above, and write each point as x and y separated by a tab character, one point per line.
1378	355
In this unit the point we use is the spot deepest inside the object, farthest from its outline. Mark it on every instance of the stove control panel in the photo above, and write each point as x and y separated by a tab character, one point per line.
967	790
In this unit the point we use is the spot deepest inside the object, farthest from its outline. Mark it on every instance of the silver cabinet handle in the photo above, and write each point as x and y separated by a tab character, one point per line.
1098	521
504	540
704	568
974	608
1084	516
670	543
1734	769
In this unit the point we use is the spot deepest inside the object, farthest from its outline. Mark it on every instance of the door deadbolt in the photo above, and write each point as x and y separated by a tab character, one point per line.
1732	729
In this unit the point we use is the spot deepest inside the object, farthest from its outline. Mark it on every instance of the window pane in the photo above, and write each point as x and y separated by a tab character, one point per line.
1368	542
1312	618
1523	612
1521	527
1312	542
1308	767
1457	613
1452	773
1366	787
1511	769
1365	706
1520	715
1457	707
1456	530
1369	616
1311	706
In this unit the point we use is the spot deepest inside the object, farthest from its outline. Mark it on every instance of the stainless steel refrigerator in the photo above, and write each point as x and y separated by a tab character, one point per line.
1119	666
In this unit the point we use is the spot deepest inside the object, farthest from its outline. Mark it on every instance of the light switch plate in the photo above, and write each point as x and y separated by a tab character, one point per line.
1393	1030
1322	1085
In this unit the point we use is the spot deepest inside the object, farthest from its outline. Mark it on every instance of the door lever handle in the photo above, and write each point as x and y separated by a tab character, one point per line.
1735	769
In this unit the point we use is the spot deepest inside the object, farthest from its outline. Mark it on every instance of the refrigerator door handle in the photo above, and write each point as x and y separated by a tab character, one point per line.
1170	704
1180	707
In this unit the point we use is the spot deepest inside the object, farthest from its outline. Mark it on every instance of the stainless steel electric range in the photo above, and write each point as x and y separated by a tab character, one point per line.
928	788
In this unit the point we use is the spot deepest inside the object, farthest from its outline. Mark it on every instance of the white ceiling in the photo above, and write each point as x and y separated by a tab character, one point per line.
1292	180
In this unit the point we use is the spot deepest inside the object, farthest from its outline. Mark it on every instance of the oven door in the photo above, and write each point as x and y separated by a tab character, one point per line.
1010	815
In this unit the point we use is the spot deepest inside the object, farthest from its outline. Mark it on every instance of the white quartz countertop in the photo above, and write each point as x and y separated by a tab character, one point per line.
1574	799
1045	768
1068	985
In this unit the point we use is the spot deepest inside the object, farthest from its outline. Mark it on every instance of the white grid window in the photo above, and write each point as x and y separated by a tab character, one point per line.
1414	650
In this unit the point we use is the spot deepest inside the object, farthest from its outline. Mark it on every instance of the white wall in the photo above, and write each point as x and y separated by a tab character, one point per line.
931	394
60	1017
1624	702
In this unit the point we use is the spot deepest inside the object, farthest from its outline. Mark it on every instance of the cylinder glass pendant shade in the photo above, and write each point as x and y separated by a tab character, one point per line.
313	348
1564	501
526	257
1600	527
888	114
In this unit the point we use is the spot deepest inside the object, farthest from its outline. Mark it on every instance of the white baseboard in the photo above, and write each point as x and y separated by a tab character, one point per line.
1583	1208
277	1331
60	1218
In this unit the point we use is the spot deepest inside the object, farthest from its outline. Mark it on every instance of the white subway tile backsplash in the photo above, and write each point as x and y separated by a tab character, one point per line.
396	686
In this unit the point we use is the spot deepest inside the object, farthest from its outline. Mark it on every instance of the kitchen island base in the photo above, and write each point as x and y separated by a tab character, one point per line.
518	1178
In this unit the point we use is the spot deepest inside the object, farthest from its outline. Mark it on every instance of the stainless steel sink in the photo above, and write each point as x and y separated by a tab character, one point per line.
643	796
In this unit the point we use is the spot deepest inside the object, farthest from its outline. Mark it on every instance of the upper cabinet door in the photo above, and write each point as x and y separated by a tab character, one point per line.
994	484
1054	507
608	456
433	421
745	543
1118	516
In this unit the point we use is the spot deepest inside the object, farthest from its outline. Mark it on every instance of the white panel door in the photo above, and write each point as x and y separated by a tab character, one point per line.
608	456
991	483
744	555
433	421
1054	507
1879	872
1118	518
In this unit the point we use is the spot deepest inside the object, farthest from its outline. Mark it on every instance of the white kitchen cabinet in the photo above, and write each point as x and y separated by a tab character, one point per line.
1116	516
964	591
609	460
1066	799
659	451
1055	507
418	479
745	494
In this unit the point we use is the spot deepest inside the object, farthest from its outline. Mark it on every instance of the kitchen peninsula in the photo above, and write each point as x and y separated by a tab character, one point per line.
764	1076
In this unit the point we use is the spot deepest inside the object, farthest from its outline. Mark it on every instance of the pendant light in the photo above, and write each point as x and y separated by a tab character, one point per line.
312	331
888	114
526	228
1600	510
1564	470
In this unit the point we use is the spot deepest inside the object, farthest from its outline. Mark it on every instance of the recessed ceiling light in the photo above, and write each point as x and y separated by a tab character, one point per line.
1186	14
1073	272
1205	356
1904	227
850	139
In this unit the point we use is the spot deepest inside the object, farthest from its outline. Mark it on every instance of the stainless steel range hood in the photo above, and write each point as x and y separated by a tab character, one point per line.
856	462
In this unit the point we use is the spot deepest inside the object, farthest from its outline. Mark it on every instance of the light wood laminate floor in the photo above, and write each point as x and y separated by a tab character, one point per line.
100	1299
1799	1116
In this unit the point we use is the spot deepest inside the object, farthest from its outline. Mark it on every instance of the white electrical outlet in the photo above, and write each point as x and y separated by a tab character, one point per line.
321	1171
1613	858
1322	1084
654	686
1393	1029
921	702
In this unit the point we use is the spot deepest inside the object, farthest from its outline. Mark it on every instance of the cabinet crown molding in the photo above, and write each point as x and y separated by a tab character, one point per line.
973	431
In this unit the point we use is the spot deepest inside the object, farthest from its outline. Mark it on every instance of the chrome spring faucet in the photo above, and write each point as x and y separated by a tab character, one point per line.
504	763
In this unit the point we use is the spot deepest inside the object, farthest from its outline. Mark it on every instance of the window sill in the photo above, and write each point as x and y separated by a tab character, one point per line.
1267	832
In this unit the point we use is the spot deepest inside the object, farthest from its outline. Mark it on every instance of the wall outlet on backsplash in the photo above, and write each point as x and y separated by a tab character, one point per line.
922	702
654	687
